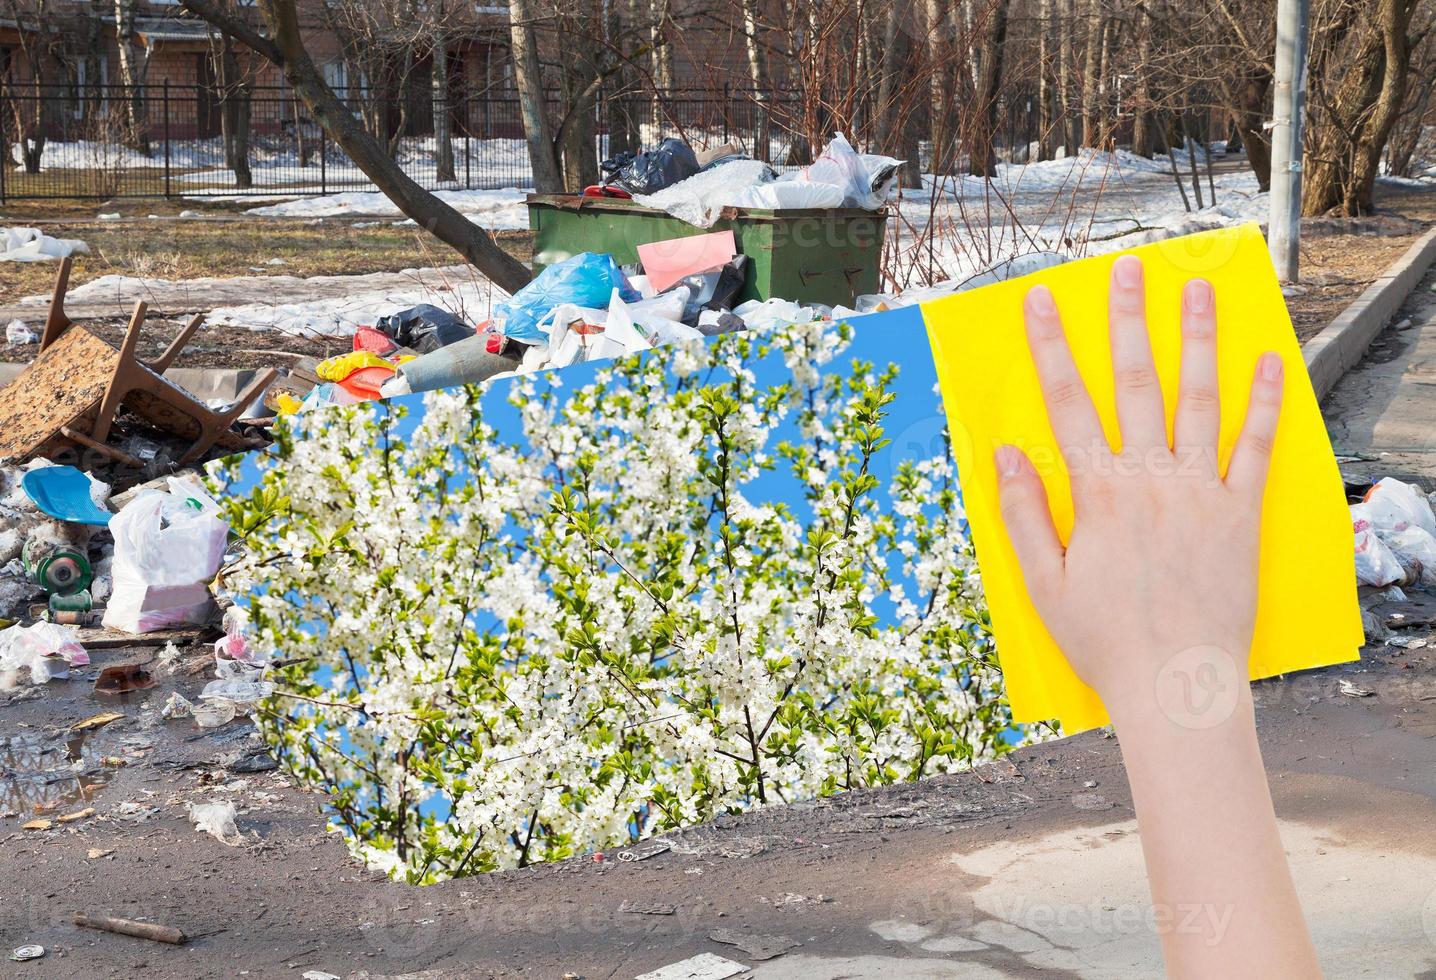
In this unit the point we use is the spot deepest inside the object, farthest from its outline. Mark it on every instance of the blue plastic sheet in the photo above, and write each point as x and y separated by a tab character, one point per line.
587	279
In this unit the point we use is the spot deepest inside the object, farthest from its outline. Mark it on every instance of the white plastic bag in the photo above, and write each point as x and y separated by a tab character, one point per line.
864	181
217	820
1392	505
33	245
1414	545
788	195
1375	564
18	332
45	650
621	328
701	198
167	548
768	314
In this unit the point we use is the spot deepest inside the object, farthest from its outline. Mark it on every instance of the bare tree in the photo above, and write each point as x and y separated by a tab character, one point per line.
134	65
528	79
1091	73
234	69
991	51
758	77
284	47
33	114
1142	72
441	106
1360	61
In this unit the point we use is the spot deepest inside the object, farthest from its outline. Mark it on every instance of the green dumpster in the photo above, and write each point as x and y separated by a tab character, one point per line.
807	256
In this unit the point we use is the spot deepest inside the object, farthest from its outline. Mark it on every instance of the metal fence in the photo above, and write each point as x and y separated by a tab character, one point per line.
171	140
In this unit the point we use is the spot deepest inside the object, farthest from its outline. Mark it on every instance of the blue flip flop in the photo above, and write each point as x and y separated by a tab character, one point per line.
63	493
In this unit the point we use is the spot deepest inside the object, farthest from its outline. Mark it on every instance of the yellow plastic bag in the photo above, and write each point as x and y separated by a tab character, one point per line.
1307	612
340	366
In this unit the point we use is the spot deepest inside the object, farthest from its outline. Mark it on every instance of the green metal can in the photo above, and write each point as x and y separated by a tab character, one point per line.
56	568
825	256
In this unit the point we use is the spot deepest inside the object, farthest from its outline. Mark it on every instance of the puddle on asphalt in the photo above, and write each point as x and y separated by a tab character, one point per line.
38	775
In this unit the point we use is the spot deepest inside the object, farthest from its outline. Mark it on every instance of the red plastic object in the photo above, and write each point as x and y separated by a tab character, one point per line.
605	190
371	339
364	383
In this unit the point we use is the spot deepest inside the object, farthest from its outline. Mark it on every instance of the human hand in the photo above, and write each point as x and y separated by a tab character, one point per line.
1158	582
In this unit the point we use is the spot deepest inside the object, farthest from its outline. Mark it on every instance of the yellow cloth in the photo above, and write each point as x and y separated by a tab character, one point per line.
1307	613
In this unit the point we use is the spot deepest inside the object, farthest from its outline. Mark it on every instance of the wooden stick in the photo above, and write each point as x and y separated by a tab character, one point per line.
128	927
57	321
168	357
118	455
123	379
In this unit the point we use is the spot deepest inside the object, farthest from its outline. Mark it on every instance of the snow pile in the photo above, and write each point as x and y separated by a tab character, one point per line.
489	163
339	317
89	154
33	245
498	210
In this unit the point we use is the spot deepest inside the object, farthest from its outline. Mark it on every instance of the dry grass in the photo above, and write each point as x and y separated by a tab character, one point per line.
181	248
1337	267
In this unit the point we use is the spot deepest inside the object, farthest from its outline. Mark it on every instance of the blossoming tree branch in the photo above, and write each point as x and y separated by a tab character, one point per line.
680	589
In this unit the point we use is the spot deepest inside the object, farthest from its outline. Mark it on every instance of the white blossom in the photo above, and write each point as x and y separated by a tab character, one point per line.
504	649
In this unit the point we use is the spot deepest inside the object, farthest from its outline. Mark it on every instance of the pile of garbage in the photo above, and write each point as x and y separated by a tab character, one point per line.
71	566
697	187
1395	528
590	308
587	308
239	670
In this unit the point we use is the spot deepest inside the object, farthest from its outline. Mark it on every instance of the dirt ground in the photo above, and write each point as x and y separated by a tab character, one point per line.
1335	269
1341	257
211	347
936	879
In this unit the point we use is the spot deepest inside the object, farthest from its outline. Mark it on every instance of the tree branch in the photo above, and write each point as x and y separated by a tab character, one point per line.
285	48
236	27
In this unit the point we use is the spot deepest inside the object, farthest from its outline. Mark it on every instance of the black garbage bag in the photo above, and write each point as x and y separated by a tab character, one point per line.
720	323
611	167
423	328
716	290
652	170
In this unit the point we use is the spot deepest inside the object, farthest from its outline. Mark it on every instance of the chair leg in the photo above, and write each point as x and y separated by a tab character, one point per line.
122	381
219	421
172	351
57	322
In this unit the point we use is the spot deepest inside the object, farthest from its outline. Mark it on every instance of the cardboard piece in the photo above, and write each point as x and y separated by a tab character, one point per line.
1307	613
664	263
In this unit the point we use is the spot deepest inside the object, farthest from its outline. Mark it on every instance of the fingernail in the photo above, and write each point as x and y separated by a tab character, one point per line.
1270	367
1040	302
1197	296
1128	272
1009	460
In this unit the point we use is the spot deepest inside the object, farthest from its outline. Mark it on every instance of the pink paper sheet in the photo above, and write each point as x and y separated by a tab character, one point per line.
667	262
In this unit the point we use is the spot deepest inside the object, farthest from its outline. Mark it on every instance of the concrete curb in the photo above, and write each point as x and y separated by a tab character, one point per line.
207	384
1338	348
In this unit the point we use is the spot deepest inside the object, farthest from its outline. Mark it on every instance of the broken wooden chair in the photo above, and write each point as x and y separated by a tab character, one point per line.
73	390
